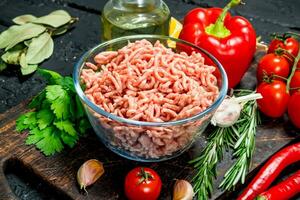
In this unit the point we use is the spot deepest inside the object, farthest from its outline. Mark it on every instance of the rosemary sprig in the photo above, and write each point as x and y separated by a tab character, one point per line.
220	139
240	137
243	148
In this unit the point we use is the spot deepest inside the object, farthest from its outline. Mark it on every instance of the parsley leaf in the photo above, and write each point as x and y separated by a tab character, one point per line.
68	139
60	107
35	135
84	124
50	143
44	118
54	92
30	120
59	118
52	77
66	126
37	100
20	126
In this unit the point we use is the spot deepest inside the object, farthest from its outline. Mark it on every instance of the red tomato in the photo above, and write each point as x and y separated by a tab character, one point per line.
272	64
295	82
142	184
294	109
290	44
275	98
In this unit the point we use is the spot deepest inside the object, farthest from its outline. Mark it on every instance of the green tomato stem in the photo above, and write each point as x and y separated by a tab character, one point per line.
293	72
218	29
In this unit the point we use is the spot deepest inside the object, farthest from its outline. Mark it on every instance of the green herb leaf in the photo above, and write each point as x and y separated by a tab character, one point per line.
84	124
68	139
30	120
35	135
59	99
40	49
79	108
44	118
54	19
50	143
52	77
20	126
60	107
37	101
19	33
3	65
54	92
26	68
23	19
66	126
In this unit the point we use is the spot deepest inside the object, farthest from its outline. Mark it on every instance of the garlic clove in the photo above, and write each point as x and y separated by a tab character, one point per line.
89	172
183	190
227	114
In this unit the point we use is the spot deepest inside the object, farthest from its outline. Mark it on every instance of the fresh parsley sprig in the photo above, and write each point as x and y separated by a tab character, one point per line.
58	118
240	137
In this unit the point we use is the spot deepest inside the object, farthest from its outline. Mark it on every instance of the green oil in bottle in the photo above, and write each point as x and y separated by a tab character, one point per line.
131	17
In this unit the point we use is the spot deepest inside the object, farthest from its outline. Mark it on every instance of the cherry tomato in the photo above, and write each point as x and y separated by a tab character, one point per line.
295	82
294	109
142	183
290	44
271	64
275	98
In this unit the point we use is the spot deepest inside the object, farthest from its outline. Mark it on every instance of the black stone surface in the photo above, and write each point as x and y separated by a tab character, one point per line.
267	16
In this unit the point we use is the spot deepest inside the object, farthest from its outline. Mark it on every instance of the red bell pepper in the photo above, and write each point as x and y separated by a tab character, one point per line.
232	40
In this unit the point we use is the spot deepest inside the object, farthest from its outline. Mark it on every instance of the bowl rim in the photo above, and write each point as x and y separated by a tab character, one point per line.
98	110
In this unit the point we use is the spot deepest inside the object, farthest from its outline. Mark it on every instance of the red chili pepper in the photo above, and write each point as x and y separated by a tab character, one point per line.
284	190
270	171
232	40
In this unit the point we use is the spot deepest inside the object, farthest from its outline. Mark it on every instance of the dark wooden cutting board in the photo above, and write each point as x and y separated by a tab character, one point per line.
59	171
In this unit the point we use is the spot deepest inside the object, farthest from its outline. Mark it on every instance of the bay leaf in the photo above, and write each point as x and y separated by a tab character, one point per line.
23	32
3	65
55	19
23	19
8	35
25	67
40	49
13	55
59	31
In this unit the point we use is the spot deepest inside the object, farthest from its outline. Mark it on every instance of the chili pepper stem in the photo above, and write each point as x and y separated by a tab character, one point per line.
292	72
218	29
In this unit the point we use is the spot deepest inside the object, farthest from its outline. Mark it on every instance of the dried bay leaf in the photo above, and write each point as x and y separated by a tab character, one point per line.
25	67
23	19
3	65
13	55
54	19
40	49
7	36
21	33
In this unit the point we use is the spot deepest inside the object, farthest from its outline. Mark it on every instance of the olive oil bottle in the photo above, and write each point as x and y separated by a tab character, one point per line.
130	17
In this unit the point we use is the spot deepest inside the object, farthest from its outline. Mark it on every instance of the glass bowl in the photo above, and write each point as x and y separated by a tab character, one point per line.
130	138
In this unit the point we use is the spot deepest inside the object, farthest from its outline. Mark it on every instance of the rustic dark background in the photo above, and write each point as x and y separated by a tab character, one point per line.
267	16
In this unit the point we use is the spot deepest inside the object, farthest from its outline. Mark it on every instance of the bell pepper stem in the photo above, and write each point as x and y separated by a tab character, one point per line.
218	29
292	72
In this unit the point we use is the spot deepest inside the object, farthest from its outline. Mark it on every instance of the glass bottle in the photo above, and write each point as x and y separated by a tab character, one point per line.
130	17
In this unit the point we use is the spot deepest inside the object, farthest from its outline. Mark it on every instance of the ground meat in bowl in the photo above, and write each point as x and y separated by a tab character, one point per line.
151	83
